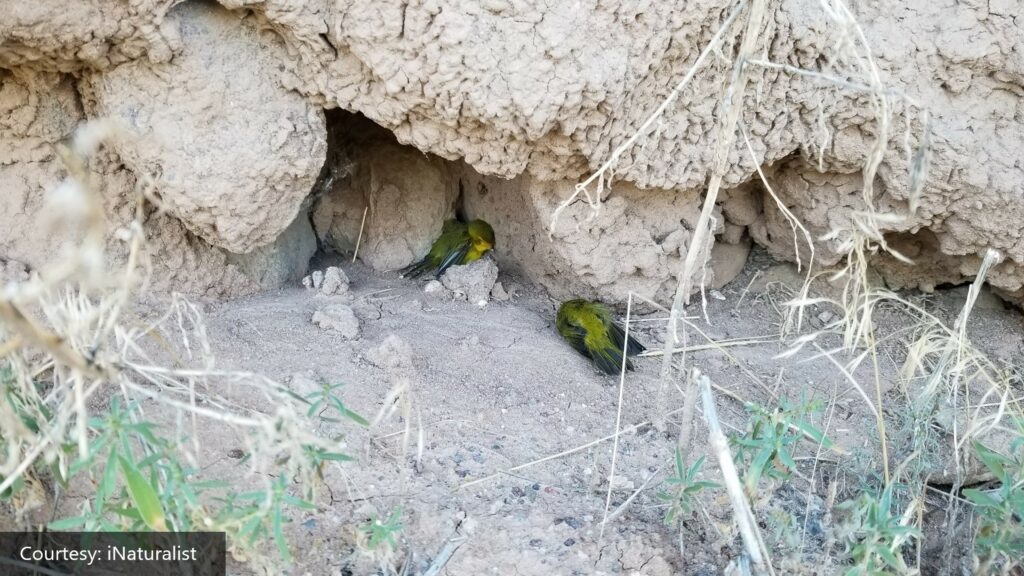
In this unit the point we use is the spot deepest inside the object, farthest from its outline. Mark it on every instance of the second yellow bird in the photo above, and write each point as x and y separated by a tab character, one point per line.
590	328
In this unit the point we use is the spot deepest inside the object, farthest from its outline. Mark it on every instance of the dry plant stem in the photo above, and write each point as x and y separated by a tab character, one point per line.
359	240
700	242
878	398
26	327
618	415
745	521
832	80
794	222
624	431
715	346
625	504
817	458
959	342
442	558
689	406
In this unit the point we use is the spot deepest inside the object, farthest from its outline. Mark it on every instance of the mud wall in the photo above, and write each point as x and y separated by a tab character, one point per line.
519	98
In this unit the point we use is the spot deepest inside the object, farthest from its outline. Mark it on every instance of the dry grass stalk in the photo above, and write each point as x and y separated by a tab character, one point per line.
700	242
753	544
618	417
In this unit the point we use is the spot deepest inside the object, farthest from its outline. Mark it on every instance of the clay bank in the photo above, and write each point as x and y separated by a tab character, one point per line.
271	128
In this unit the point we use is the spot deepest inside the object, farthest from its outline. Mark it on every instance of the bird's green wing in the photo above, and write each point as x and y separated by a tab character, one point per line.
570	327
575	336
453	238
455	256
605	339
590	328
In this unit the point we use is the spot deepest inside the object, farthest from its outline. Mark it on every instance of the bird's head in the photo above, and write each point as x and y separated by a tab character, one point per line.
482	235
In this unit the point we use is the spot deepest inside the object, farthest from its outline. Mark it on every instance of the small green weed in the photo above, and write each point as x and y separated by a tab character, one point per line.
382	534
765	450
874	534
999	541
686	487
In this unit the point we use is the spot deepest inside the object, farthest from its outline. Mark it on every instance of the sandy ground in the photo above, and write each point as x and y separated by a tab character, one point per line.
495	387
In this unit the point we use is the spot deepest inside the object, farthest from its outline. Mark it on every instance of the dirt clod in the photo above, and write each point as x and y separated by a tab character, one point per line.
338	318
473	281
331	282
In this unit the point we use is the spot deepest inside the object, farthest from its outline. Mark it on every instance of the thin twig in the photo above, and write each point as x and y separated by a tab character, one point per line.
628	430
444	556
359	240
700	241
618	414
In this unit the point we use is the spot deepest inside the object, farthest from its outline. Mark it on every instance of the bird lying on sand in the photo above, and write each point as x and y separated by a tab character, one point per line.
459	243
590	328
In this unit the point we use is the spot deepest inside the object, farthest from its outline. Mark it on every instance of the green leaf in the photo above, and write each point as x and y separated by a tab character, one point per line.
282	544
981	498
298	502
106	486
356	417
143	496
889	557
251	528
992	460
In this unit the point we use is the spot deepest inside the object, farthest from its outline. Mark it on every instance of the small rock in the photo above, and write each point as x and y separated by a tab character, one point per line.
235	453
498	293
474	280
569	541
536	542
434	289
331	282
572	522
335	281
825	317
393	354
339	318
727	261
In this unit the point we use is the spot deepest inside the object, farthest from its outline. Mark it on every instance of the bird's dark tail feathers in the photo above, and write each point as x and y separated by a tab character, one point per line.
610	361
633	348
415	270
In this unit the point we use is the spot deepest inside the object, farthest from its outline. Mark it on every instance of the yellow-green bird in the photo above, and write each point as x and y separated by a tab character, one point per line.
590	328
459	243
